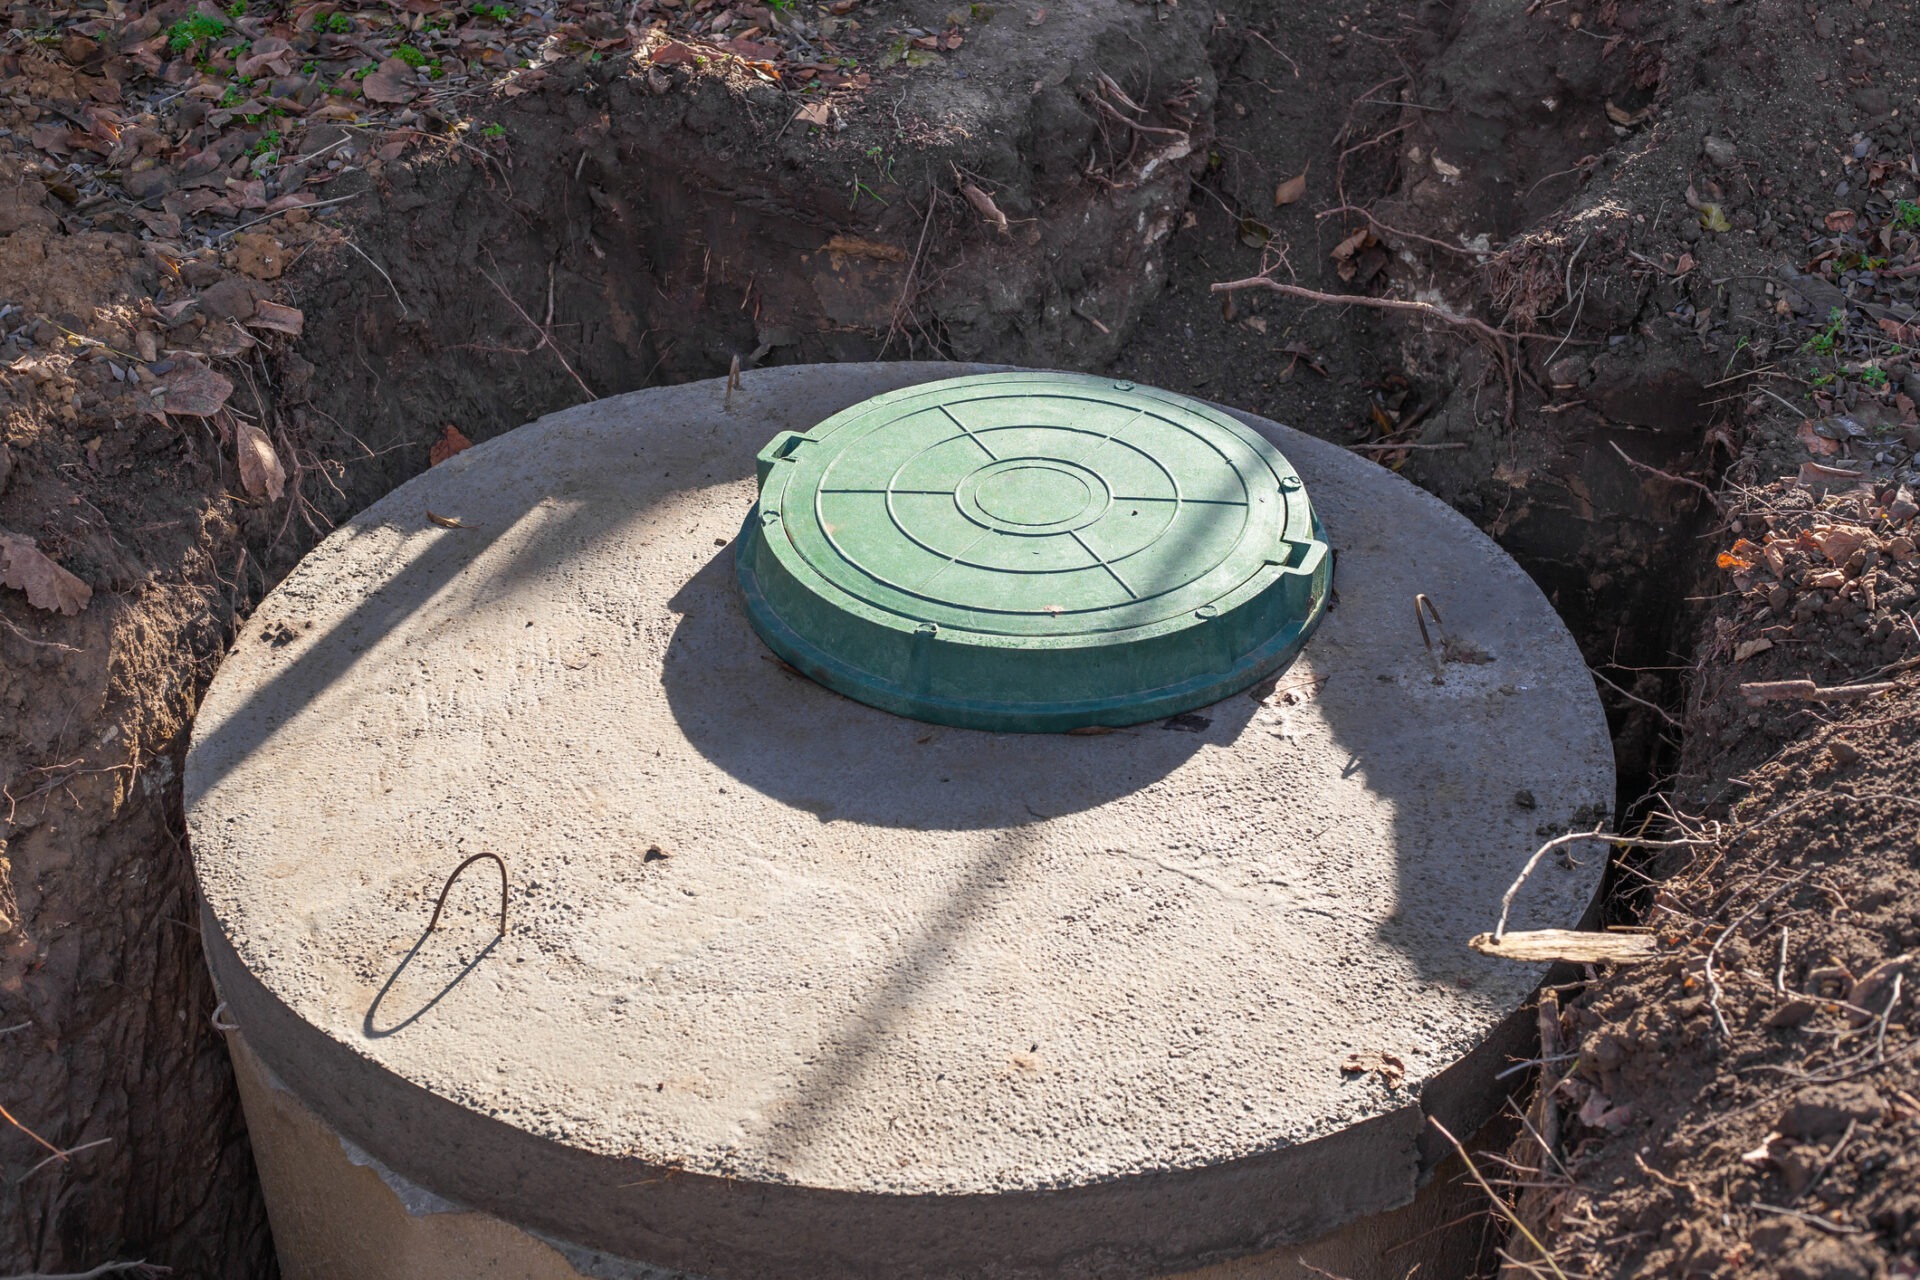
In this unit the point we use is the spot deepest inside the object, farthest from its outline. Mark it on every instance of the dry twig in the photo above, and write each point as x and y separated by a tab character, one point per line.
1500	1206
1559	842
546	335
1503	341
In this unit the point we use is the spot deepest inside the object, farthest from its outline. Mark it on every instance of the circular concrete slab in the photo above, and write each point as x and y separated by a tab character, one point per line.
793	987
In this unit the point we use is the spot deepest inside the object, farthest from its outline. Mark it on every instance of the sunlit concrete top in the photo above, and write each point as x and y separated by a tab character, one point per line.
794	987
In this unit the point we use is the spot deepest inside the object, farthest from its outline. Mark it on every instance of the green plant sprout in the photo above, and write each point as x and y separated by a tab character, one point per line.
268	143
339	24
1738	347
1824	342
1906	215
188	32
410	55
1874	376
495	130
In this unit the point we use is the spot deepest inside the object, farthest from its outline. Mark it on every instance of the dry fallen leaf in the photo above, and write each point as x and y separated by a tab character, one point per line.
1739	557
1627	119
25	567
983	203
278	317
1747	648
1868	994
1390	1068
1816	444
673	54
452	440
1598	1112
393	81
261	474
1906	334
1345	250
267	53
1292	189
445	522
1838	542
193	390
1841	220
818	114
1816	475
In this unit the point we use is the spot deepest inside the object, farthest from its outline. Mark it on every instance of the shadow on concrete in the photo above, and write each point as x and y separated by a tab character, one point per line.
847	1052
762	722
371	1023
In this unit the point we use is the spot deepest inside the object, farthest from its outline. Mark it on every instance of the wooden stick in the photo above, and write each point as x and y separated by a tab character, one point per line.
1758	691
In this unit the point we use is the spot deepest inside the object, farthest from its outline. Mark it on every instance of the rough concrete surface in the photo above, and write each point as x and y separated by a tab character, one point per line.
793	987
400	1231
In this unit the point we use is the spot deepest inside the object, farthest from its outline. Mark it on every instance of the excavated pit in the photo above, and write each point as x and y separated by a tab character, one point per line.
635	239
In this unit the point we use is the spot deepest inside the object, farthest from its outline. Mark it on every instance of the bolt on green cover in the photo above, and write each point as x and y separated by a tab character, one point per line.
1032	553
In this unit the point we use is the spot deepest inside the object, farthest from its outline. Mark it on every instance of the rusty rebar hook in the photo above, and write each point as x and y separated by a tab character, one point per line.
441	904
1421	607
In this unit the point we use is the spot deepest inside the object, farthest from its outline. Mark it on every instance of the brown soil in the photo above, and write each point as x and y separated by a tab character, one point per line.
1678	195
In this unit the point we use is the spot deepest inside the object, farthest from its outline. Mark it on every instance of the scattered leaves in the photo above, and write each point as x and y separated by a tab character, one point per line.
1389	1067
445	522
25	567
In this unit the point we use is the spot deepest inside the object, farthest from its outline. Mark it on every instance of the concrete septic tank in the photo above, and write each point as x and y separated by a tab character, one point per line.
792	986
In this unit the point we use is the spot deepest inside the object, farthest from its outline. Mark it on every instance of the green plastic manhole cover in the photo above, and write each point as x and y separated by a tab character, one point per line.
1032	552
